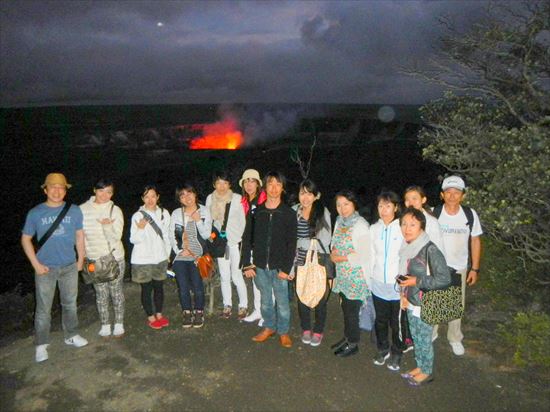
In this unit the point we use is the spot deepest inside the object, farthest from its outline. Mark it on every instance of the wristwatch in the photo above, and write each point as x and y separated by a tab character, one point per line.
475	270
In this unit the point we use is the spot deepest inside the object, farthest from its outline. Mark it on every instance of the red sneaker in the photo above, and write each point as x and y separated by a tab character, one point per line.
163	321
155	324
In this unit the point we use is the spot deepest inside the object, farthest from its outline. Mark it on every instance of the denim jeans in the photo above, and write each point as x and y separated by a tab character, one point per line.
276	317
67	279
188	277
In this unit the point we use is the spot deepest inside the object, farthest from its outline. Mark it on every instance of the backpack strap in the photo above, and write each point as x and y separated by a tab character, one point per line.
53	227
225	217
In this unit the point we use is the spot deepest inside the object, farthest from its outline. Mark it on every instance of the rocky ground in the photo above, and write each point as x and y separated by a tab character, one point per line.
218	367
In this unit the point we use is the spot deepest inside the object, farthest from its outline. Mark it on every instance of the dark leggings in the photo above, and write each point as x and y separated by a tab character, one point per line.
350	308
154	288
320	315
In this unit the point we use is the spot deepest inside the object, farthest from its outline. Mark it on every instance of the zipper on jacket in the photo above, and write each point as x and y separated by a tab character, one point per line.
386	246
268	239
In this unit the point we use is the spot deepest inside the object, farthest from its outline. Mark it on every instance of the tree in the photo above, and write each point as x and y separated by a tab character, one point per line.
492	125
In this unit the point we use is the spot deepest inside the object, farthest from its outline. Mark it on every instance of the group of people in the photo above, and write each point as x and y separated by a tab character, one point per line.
405	253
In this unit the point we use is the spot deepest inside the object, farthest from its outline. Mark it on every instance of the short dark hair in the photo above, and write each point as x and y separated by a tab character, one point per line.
103	183
278	176
187	187
349	195
417	214
221	175
146	189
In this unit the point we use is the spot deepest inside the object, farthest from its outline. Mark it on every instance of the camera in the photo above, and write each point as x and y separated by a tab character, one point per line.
401	278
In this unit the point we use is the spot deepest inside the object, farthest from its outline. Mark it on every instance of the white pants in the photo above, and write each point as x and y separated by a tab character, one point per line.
230	271
454	332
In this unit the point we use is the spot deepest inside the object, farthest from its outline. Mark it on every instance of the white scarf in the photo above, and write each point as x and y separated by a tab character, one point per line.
409	250
217	208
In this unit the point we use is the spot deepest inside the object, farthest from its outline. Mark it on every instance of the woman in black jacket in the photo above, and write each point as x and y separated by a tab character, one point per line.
422	267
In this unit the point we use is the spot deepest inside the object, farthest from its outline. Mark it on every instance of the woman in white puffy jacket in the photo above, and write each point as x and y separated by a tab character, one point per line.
229	265
150	235
103	225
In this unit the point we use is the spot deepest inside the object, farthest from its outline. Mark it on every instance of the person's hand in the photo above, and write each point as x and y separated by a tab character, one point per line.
196	216
472	278
142	223
409	281
404	303
284	276
41	269
336	258
106	221
185	252
249	273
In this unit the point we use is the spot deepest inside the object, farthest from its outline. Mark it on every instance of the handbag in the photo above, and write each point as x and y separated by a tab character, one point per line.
217	242
205	264
311	278
104	269
442	305
324	259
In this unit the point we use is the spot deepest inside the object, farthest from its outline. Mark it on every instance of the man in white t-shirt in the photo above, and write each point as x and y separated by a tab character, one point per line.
461	231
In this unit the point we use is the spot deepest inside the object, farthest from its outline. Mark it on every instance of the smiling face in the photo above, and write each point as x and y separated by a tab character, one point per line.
344	207
221	186
104	194
411	228
250	187
306	198
415	199
55	193
274	189
188	198
150	199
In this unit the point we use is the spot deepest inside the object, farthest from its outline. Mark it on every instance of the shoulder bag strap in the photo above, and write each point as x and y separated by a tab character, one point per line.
225	217
152	222
103	229
53	227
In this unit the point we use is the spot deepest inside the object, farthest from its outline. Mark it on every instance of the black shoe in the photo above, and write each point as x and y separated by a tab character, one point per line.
394	362
348	350
381	358
338	344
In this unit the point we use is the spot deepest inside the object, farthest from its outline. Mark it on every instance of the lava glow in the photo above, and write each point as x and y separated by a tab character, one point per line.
221	135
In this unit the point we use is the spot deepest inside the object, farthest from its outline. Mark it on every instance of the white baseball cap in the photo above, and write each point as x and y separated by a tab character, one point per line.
453	182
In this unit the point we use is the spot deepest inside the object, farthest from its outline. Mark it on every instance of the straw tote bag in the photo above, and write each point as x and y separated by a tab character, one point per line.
311	278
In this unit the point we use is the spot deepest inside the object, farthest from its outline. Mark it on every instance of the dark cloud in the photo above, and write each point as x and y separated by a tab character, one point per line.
201	52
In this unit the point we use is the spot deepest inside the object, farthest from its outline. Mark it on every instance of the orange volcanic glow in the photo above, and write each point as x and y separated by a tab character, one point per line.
221	135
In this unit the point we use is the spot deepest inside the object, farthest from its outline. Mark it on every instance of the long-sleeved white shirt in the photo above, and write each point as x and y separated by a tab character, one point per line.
96	234
149	247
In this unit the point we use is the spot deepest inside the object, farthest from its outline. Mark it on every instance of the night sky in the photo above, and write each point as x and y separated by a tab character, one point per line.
124	52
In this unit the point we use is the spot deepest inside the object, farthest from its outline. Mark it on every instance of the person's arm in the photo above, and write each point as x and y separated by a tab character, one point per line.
173	221
137	228
360	237
440	277
203	221
28	248
475	249
80	251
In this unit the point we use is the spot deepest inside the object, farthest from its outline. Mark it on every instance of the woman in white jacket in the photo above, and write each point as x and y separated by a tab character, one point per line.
229	265
386	240
103	225
149	233
350	253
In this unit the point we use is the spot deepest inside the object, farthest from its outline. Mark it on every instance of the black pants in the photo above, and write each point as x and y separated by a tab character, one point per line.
351	308
387	316
155	288
320	316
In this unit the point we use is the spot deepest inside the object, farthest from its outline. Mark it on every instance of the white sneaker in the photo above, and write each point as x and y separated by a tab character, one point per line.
254	316
118	331
77	341
105	331
41	353
458	348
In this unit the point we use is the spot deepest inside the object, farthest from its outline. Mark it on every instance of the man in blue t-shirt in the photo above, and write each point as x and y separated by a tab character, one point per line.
54	263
